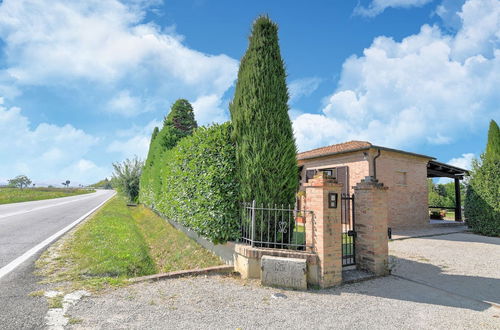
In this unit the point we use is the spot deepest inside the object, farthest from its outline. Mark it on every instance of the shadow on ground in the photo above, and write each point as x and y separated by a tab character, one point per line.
428	284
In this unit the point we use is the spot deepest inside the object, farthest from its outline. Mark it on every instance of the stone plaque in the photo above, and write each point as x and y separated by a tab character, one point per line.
284	272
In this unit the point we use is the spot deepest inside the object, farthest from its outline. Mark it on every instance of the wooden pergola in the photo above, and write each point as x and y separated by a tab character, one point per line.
437	169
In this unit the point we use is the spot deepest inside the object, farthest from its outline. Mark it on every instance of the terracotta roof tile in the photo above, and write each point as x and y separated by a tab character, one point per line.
335	148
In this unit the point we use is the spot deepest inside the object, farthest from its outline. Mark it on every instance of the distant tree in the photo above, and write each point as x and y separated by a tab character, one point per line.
126	177
66	183
20	181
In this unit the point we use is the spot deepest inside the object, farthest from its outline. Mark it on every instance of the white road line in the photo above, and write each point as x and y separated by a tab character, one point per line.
28	254
46	206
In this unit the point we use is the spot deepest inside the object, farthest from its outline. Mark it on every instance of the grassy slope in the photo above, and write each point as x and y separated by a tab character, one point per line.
16	195
117	243
171	249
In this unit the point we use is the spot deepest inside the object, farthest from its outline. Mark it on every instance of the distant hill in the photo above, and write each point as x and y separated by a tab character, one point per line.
103	184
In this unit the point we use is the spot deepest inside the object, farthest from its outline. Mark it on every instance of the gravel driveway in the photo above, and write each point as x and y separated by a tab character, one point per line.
392	302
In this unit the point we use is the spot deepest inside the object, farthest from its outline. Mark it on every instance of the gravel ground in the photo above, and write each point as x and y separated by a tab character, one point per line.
221	302
464	263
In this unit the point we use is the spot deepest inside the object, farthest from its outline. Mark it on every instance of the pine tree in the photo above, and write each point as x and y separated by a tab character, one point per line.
493	146
266	150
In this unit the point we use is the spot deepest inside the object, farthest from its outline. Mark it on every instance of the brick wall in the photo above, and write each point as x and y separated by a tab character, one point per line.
406	178
407	201
358	166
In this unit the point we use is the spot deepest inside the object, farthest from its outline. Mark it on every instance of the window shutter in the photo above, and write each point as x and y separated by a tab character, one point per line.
310	174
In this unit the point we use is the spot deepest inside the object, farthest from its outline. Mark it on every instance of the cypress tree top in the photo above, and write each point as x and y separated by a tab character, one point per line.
178	123
493	146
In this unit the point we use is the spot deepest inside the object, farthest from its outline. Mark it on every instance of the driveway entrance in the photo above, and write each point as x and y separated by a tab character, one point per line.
463	264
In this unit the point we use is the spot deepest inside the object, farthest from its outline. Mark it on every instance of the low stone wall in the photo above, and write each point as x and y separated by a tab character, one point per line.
247	261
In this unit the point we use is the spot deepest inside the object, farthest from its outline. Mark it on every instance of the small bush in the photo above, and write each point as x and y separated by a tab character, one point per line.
197	184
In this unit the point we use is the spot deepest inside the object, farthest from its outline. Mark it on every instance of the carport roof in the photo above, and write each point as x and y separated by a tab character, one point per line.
437	169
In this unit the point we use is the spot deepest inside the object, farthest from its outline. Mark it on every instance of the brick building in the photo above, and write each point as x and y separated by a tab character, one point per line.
404	173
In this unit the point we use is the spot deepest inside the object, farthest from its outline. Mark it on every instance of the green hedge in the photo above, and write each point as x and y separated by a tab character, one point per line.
197	185
482	202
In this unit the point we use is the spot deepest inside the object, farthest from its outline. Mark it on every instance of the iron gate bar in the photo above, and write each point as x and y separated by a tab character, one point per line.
348	233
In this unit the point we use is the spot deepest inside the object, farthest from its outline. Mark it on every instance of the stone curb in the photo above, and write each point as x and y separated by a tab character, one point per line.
183	273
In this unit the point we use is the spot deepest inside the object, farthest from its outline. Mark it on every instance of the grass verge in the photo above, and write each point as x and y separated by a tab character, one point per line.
16	195
117	243
170	249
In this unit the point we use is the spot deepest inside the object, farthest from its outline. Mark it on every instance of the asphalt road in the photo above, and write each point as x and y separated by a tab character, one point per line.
25	230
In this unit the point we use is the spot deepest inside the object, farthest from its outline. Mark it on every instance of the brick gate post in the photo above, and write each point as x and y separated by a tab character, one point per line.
324	232
371	218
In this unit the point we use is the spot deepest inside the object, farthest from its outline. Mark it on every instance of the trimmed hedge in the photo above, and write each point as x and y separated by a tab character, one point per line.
197	185
482	202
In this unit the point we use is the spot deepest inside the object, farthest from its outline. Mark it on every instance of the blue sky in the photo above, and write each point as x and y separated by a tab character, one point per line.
83	83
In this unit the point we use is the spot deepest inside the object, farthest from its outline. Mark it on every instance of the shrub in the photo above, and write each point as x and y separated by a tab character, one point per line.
198	188
126	177
482	202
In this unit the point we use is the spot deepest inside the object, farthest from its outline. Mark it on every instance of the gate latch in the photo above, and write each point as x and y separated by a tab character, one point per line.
352	233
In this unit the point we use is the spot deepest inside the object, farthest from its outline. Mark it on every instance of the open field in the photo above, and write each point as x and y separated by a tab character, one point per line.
16	195
118	243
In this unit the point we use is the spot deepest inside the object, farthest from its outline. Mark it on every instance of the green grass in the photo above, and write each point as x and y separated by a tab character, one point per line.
111	244
118	243
16	195
170	249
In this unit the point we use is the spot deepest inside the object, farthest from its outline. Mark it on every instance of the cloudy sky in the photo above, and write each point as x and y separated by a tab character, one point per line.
83	83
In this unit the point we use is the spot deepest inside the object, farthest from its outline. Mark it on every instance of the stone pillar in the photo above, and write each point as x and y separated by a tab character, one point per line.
324	232
371	218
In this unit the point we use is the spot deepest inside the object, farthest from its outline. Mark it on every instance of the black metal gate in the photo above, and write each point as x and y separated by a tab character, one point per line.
348	232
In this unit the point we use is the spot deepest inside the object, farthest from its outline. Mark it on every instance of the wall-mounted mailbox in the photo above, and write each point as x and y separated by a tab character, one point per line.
332	200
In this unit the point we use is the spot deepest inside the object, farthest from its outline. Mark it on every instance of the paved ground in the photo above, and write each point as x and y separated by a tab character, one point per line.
439	283
22	227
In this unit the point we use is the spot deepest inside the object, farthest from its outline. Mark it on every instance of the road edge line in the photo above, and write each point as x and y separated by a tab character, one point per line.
28	254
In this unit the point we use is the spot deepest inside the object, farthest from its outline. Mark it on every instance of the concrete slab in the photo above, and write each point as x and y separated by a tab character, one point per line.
284	272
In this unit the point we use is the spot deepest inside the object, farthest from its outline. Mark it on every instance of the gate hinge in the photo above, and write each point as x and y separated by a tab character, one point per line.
352	233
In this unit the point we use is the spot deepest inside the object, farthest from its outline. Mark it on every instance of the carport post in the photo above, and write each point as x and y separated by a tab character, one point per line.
458	202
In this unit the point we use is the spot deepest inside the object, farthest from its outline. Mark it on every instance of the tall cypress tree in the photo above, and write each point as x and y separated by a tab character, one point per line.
178	123
493	146
266	150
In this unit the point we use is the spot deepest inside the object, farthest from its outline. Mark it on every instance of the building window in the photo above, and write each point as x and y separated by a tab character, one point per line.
401	178
310	174
330	172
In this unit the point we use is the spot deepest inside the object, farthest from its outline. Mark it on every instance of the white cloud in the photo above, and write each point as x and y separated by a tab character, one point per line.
134	141
48	153
376	7
428	87
302	87
464	162
209	109
106	42
125	104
